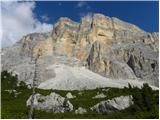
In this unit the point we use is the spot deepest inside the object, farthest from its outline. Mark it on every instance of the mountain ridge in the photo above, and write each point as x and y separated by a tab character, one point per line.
107	46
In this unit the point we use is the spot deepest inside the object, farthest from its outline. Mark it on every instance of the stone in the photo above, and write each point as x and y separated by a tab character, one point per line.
113	105
106	89
51	103
69	95
80	93
11	91
80	110
17	93
14	92
69	106
35	102
101	95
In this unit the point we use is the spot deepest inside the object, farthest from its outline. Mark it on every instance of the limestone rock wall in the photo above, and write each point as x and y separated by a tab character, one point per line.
105	45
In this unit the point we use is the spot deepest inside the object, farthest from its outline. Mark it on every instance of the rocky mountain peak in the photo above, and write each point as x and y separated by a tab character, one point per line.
105	45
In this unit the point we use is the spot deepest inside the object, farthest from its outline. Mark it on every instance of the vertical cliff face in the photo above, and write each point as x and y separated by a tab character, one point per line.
105	45
64	36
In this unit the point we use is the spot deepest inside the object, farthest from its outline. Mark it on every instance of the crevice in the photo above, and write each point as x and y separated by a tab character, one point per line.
113	28
131	63
153	66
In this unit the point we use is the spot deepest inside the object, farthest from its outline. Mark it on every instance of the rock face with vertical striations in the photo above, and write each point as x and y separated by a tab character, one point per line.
105	45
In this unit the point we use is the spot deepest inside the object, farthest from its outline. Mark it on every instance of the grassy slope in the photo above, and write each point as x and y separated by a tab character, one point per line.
15	107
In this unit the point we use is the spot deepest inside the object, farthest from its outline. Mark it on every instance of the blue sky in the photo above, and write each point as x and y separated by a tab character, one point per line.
143	14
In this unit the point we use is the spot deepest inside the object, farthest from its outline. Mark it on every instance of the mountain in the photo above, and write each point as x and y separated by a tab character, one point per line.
99	51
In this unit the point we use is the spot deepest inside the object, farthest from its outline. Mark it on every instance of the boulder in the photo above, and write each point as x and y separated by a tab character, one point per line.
35	102
51	103
69	95
69	106
80	93
80	110
113	105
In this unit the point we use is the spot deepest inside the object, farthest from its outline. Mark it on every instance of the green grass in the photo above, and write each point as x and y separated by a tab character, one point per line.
146	102
14	107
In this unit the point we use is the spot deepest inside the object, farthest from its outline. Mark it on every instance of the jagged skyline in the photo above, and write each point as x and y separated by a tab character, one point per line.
40	16
141	13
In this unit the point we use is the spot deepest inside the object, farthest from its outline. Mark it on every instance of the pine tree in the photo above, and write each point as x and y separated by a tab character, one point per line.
148	97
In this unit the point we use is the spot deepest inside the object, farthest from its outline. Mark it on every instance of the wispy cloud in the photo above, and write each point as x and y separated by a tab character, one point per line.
45	18
87	16
18	19
85	9
83	4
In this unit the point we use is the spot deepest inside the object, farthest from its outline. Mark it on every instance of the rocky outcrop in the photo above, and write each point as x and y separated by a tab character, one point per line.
51	103
116	61
105	45
113	105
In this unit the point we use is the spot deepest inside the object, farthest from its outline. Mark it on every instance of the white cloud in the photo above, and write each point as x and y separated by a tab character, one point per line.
85	10
45	18
87	16
83	4
18	19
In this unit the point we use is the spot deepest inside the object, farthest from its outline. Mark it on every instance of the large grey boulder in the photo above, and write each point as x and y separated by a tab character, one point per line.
115	104
52	103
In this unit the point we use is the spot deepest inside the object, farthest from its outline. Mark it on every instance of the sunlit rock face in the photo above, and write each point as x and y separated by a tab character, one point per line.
105	45
64	36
